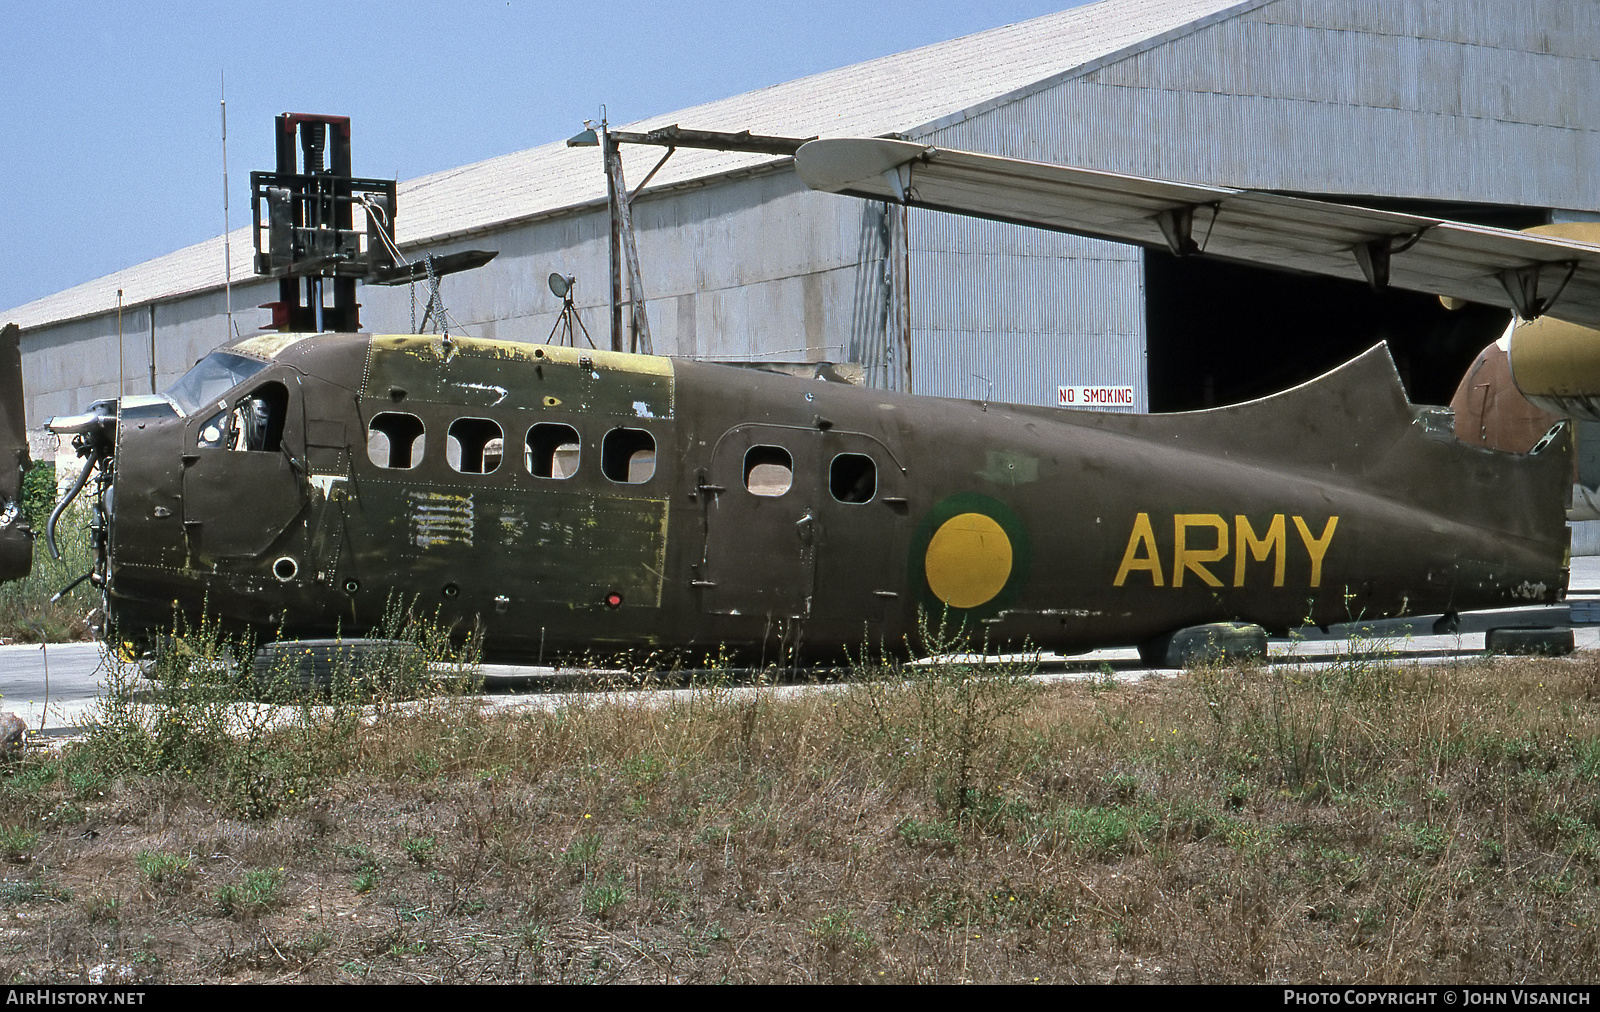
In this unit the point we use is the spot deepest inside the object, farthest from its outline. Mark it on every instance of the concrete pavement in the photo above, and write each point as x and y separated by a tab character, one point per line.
77	671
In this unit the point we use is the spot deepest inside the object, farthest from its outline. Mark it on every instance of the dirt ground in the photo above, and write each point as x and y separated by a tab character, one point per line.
1374	823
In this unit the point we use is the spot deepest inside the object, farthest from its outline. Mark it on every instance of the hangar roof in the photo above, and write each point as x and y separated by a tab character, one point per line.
905	93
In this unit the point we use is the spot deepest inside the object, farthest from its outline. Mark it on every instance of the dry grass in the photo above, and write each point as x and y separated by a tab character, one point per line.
1371	822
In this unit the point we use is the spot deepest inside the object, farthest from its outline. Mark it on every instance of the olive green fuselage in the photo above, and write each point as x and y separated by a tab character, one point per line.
565	501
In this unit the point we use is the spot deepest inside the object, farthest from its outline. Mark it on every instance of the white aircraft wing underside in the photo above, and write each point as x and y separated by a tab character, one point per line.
1528	274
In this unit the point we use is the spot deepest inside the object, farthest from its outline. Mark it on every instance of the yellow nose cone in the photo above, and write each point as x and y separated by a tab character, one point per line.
968	561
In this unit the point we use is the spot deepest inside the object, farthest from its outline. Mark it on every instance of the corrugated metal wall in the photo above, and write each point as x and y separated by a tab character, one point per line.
68	367
759	267
1475	100
1010	314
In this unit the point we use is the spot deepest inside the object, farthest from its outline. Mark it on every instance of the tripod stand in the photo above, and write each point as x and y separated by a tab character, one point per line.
561	287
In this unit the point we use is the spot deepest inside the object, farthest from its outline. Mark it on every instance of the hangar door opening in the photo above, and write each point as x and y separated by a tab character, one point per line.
1220	333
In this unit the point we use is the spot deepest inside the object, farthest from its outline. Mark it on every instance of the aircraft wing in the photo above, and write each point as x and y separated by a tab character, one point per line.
1528	274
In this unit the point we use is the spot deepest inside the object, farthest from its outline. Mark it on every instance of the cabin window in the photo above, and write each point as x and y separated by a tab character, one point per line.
853	478
260	418
768	470
255	423
395	439
217	432
474	445
552	450
628	456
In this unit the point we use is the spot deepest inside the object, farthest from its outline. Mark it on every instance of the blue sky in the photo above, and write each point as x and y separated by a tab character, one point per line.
111	151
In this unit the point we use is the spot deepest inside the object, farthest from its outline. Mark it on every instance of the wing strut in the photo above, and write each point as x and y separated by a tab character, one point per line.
1522	285
1177	227
1373	256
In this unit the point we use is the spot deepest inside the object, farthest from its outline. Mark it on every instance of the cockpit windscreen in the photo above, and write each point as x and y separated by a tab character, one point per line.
210	378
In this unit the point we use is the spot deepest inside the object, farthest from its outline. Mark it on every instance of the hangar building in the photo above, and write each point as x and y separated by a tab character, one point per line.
1473	109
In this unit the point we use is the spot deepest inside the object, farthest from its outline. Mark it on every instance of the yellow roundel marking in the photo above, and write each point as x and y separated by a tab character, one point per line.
968	560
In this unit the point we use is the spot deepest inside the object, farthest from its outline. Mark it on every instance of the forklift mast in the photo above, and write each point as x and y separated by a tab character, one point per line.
309	241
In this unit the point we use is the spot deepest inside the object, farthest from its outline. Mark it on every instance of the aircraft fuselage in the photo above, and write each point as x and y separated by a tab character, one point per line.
566	501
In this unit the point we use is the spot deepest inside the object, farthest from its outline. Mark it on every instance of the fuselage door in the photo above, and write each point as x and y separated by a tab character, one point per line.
244	482
147	495
759	497
864	526
327	460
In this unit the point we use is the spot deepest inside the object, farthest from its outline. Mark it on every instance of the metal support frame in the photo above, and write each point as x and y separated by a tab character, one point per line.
309	241
624	251
624	247
1177	227
310	237
638	318
1522	285
1373	256
899	268
613	156
675	136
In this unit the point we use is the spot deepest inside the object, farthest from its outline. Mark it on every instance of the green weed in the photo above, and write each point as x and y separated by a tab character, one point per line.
948	718
16	843
601	898
938	833
257	745
166	870
27	615
582	851
1424	841
101	909
419	848
313	944
253	895
837	931
33	890
1101	831
364	880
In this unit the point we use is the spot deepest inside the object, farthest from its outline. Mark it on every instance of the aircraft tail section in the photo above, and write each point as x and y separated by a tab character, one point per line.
1427	521
16	540
1354	429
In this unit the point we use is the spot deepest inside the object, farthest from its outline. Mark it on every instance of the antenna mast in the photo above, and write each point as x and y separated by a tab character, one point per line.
227	240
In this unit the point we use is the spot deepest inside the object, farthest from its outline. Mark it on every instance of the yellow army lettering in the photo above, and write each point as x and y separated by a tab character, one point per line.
1201	539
